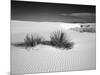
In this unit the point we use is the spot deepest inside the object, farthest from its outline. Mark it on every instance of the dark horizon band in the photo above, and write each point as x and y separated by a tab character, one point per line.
52	12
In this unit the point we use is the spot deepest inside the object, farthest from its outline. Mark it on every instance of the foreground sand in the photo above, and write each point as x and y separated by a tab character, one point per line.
49	59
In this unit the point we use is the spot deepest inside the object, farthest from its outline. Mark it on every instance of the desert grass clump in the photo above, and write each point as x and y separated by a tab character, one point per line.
59	39
31	41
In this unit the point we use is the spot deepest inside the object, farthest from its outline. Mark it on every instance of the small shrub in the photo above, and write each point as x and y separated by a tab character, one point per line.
33	40
59	39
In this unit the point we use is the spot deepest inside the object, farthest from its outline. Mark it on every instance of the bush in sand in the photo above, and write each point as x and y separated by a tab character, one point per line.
33	40
30	41
58	39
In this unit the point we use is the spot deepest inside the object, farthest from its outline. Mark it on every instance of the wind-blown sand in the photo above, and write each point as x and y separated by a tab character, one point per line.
49	59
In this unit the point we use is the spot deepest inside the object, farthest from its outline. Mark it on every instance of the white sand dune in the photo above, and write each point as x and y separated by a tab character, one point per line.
49	59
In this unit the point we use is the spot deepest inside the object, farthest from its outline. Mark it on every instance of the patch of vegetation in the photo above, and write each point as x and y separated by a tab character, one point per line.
58	39
30	41
33	40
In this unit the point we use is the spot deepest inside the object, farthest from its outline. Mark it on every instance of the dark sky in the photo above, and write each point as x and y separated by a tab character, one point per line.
52	12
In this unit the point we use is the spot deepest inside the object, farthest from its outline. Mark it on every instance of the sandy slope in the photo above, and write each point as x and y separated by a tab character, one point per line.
49	59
